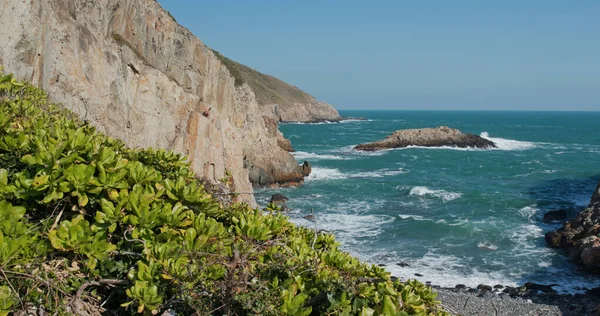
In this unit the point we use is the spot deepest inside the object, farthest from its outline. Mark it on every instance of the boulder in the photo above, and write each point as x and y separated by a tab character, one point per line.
279	199
309	217
540	287
306	168
579	237
428	137
558	215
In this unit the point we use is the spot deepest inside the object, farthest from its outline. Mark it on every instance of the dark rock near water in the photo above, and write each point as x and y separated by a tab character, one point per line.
594	292
279	199
483	287
418	274
403	264
306	168
460	287
511	291
580	238
540	287
558	215
498	286
309	217
428	137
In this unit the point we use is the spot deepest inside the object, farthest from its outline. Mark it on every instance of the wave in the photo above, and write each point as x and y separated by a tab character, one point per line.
349	227
319	173
302	155
442	194
508	144
415	217
447	271
528	211
353	120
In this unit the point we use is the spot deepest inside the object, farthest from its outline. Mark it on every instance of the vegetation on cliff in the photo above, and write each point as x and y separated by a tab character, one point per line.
88	226
268	89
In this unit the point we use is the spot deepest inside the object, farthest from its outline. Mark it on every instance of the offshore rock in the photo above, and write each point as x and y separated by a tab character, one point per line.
129	69
580	237
428	137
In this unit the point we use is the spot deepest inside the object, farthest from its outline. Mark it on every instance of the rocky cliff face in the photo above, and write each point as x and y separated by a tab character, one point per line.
128	68
276	98
580	237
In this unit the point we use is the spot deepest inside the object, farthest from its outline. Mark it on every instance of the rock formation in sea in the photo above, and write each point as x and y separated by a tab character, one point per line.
128	68
580	237
428	137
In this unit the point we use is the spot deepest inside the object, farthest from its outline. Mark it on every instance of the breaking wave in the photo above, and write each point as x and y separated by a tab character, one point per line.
442	194
508	144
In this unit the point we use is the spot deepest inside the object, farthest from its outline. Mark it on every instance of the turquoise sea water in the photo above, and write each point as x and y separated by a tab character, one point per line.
455	216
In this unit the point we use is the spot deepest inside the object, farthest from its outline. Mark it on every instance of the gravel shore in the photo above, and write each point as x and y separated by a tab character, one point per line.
461	302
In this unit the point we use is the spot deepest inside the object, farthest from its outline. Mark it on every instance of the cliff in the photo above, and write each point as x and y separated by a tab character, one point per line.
580	237
286	102
128	68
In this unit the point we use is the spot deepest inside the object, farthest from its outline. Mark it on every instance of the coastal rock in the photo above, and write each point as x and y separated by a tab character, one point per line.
284	102
129	69
558	215
279	199
540	287
306	168
428	137
579	237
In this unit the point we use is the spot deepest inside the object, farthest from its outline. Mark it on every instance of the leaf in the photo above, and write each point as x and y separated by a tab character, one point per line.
389	309
82	200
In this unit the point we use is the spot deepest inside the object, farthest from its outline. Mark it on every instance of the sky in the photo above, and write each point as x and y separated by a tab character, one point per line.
414	55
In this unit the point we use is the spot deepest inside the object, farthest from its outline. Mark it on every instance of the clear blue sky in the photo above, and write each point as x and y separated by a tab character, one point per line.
494	55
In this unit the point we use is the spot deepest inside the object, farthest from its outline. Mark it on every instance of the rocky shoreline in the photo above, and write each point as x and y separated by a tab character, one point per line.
529	299
428	137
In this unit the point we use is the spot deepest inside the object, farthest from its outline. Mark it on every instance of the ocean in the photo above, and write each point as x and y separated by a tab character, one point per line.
448	215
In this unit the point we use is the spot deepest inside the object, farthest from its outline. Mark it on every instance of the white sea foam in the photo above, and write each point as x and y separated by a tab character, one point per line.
415	217
378	174
353	120
351	151
348	227
319	173
302	155
508	144
544	264
528	211
525	235
447	271
442	194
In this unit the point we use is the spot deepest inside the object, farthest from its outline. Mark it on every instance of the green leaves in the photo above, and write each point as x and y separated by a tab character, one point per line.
7	297
79	237
78	208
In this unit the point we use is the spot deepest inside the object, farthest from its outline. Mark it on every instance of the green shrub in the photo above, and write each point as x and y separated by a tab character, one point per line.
90	226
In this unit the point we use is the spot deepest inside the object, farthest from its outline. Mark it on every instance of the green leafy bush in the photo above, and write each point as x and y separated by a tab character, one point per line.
88	226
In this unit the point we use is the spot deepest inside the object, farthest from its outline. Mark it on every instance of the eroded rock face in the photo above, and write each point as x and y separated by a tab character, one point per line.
128	68
580	237
428	137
